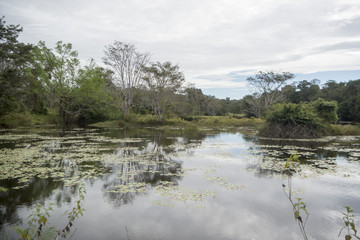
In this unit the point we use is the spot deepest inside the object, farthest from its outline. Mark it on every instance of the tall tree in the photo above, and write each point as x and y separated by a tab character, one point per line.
14	60
58	73
267	86
163	80
127	64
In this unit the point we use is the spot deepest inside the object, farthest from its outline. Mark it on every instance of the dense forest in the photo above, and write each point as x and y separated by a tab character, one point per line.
49	85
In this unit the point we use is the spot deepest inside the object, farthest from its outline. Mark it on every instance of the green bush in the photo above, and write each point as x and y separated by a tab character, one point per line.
304	120
15	119
326	110
24	119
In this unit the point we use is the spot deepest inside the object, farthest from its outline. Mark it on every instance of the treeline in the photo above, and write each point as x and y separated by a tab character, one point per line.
51	84
346	94
35	79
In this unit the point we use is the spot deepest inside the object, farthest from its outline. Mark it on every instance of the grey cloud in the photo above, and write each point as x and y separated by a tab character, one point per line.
350	29
348	45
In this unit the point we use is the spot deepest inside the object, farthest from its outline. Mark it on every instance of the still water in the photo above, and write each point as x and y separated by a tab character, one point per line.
177	184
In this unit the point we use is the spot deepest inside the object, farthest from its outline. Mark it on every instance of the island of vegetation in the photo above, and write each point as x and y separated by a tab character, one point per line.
40	85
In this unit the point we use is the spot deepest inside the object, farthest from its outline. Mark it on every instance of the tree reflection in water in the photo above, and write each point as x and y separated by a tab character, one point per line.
139	169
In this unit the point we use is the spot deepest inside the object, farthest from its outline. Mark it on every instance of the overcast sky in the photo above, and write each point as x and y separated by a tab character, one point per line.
216	43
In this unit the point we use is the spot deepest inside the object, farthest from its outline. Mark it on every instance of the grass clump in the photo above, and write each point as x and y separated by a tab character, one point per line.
344	130
134	120
25	119
227	121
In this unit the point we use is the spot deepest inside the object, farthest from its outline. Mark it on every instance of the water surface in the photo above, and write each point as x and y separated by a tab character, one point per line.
176	184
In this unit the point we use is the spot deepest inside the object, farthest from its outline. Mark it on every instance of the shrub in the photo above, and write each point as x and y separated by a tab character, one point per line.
326	110
304	120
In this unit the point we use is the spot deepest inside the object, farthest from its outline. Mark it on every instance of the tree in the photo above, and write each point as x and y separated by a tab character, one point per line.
267	87
289	93
253	107
91	96
308	91
196	100
127	64
349	106
326	110
58	74
213	106
163	81
333	91
15	57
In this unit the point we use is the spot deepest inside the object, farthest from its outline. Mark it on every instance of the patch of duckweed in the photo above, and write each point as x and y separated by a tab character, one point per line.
132	187
222	181
53	157
103	139
161	203
176	193
323	139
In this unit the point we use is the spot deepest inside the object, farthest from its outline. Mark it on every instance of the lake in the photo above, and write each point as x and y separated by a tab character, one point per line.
178	184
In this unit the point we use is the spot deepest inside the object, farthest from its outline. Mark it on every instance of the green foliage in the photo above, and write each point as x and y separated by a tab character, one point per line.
291	113
292	162
38	227
17	119
91	98
163	81
227	121
304	120
36	222
16	86
346	94
347	130
349	221
39	80
326	110
57	71
300	212
267	86
298	207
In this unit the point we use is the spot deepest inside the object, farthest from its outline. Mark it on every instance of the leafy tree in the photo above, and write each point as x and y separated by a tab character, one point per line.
308	91
213	106
92	97
58	73
127	64
196	100
333	91
163	80
15	83
233	106
349	107
326	110
290	94
267	87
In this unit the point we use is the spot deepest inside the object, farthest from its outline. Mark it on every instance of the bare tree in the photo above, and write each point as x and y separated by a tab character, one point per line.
163	81
127	64
267	87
